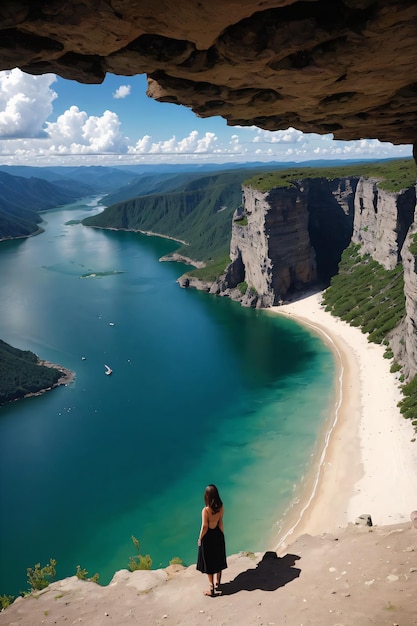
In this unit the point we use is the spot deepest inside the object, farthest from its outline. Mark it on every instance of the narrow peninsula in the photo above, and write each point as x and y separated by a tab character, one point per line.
23	374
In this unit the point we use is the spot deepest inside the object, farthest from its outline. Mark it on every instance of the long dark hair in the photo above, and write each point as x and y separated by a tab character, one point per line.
212	498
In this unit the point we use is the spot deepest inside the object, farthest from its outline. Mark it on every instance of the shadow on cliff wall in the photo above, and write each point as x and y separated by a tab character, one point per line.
330	225
270	574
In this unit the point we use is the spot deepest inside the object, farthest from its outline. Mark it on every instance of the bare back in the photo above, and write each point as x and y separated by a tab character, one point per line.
214	519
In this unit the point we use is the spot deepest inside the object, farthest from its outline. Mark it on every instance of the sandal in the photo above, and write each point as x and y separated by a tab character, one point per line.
210	593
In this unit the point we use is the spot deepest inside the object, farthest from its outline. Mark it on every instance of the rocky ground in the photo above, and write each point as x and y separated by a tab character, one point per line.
357	577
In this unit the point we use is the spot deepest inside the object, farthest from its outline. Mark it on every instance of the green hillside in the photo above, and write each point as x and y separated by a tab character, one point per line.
21	374
394	175
199	211
21	199
148	185
367	295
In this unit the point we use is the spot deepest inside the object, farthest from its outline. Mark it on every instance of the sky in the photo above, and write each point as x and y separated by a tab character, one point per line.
46	120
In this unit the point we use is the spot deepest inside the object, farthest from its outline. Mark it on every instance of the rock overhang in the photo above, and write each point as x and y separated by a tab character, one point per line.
346	67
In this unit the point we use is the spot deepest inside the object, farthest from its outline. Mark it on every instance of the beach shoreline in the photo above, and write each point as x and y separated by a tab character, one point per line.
368	462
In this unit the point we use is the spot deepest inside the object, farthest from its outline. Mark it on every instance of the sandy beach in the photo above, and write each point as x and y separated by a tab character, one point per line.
368	463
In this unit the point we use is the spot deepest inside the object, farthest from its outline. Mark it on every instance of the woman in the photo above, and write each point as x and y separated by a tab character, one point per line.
211	545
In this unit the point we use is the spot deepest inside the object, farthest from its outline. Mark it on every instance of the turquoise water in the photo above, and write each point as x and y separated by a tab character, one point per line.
202	391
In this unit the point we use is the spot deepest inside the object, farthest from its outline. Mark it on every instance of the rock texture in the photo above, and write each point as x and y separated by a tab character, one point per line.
346	67
270	246
359	576
382	221
287	239
405	343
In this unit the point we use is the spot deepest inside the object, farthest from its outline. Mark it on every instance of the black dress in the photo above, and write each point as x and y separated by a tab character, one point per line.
212	552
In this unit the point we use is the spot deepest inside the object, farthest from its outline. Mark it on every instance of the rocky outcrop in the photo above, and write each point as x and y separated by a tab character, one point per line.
404	340
357	576
288	239
346	67
382	221
270	246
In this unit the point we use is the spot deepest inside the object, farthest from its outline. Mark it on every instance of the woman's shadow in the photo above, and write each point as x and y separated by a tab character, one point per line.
270	573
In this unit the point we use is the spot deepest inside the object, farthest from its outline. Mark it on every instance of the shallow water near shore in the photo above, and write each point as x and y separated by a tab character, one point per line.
202	391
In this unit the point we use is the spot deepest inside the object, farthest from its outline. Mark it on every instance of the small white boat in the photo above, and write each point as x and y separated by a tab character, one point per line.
111	323
83	358
108	370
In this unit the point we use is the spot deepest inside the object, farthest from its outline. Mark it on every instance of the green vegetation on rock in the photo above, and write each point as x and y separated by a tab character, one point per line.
408	405
139	561
40	577
413	245
213	269
82	574
365	294
394	175
5	601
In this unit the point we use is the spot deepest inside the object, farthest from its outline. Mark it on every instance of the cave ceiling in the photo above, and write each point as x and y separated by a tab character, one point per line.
343	67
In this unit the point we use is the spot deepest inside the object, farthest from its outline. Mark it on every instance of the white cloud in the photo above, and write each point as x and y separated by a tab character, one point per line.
122	92
76	132
25	103
191	144
291	135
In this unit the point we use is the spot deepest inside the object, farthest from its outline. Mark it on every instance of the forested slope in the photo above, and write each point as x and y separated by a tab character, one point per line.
20	373
22	198
198	210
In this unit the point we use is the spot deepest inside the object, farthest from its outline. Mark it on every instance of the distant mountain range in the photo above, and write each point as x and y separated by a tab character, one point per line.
192	202
192	207
21	199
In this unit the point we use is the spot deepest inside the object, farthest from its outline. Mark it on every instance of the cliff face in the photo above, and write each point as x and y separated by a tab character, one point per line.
270	247
404	341
384	226
382	221
285	240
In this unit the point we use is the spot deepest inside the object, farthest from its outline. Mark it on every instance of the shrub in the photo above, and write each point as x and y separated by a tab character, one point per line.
243	287
365	294
408	405
395	367
82	574
40	577
176	561
5	601
139	561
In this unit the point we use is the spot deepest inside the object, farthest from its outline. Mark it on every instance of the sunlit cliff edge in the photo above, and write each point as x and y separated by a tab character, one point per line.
360	575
